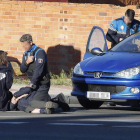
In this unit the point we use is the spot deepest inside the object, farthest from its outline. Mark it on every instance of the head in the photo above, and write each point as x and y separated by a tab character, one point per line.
3	58
26	41
129	16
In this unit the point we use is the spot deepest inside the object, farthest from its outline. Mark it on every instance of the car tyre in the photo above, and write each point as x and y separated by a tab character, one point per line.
86	103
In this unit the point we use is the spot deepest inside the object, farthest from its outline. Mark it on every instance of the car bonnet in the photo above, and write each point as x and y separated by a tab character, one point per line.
111	62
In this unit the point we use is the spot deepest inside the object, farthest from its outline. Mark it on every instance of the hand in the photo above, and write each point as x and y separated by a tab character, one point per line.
30	59
31	85
24	95
120	39
13	100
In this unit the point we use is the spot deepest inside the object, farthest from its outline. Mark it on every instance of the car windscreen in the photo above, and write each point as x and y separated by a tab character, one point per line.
130	44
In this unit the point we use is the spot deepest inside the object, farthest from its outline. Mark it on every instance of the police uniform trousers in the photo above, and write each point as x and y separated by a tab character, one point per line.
40	98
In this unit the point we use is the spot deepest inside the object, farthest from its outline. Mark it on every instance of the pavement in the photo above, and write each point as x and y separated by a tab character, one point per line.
105	123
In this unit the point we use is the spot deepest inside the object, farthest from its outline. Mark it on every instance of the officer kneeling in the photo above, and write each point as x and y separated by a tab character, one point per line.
34	64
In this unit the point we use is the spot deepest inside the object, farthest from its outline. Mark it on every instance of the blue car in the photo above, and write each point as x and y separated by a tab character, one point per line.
108	75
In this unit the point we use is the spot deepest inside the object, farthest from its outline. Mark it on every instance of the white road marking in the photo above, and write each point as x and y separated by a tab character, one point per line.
13	122
76	124
113	120
132	126
14	111
17	116
93	120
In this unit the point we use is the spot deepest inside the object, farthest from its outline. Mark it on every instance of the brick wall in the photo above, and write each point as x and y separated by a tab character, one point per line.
62	29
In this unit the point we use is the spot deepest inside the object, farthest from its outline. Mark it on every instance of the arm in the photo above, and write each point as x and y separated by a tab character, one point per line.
112	33
14	101
22	91
138	27
40	63
23	66
13	107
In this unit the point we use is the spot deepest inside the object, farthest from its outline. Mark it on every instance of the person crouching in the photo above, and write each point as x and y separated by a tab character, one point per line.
6	81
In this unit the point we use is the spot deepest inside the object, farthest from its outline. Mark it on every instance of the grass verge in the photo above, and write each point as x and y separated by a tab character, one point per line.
62	79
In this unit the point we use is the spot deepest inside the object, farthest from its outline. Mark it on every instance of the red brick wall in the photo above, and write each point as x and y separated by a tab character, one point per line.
115	2
62	29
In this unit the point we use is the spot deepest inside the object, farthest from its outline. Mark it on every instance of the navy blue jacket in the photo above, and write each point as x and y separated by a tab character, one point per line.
118	29
23	102
40	61
6	81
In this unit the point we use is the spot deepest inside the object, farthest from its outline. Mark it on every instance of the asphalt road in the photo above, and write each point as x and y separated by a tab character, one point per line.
106	123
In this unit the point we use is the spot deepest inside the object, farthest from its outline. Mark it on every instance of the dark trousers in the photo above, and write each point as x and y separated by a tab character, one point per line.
40	98
24	102
40	104
5	101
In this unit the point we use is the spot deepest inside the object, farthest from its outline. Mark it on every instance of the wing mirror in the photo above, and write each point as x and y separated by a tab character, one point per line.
96	51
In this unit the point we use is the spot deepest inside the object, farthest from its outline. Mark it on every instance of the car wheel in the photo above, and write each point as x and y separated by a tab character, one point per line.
86	103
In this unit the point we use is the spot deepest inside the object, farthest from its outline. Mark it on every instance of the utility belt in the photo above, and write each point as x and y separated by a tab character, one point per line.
46	78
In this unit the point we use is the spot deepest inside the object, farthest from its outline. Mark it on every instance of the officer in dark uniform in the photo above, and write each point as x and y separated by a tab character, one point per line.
34	64
123	27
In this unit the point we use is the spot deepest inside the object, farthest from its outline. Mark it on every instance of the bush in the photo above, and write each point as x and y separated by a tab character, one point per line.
62	79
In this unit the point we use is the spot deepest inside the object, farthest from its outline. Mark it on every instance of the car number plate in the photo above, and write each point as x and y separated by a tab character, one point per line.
98	95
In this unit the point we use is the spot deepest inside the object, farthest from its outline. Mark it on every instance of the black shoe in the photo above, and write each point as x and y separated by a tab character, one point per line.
62	102
51	105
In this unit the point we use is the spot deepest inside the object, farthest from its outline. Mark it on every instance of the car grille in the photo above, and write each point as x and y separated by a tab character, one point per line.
103	73
106	88
82	87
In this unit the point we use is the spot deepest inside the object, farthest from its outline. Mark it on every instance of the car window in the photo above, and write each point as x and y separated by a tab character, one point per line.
130	44
96	40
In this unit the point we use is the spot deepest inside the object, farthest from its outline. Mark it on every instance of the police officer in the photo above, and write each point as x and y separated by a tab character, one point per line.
34	64
123	27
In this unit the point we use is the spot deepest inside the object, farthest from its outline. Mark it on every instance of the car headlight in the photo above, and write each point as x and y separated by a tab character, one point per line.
78	70
128	72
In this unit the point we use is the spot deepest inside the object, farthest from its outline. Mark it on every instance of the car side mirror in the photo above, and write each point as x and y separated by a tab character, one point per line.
96	51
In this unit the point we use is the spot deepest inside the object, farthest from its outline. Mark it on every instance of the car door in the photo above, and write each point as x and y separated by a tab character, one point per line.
97	39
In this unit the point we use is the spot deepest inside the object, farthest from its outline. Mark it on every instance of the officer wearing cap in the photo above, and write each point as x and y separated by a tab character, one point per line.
123	27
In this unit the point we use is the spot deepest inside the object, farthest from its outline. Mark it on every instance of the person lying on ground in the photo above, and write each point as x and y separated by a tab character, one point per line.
22	100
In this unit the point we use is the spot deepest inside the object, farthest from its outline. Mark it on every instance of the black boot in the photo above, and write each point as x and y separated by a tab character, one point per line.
48	111
51	104
49	107
60	99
